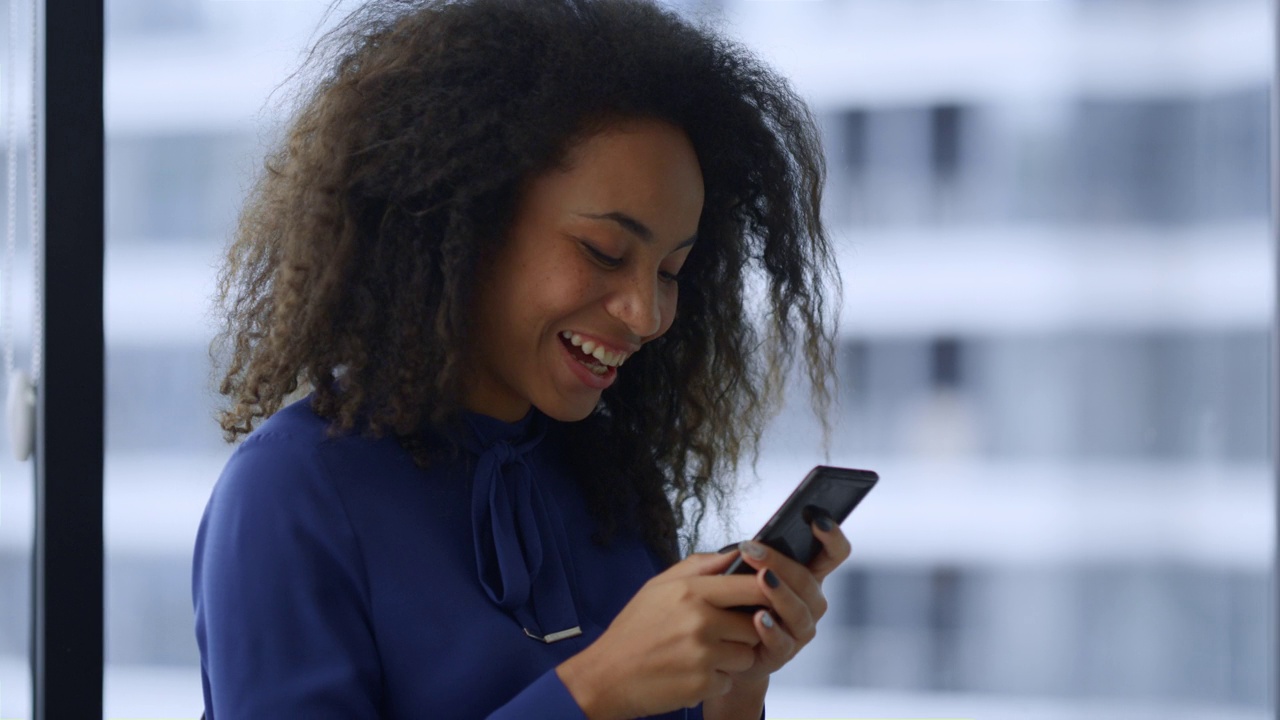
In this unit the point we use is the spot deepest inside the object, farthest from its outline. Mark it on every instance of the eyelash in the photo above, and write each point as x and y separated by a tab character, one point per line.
607	260
612	262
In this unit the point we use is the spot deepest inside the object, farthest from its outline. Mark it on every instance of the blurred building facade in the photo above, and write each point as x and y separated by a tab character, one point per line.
1052	223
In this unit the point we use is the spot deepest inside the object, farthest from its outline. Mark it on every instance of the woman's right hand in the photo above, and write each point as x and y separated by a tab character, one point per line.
674	645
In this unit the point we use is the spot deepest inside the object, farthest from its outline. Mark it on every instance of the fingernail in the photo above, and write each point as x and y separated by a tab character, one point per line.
767	620
728	548
824	523
770	579
752	550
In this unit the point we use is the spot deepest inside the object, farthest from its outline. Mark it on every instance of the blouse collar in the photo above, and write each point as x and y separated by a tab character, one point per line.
521	547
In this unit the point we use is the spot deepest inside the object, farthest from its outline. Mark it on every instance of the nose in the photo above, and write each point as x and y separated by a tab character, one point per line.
637	303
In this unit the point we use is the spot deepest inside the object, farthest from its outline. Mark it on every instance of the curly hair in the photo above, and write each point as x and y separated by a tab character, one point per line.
350	272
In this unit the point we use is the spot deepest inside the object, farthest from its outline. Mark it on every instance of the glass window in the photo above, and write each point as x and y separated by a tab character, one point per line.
1053	228
17	487
189	105
1055	340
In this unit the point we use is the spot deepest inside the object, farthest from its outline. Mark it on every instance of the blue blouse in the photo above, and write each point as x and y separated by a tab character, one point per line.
334	578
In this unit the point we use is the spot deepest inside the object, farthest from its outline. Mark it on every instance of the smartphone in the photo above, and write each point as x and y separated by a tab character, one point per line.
833	490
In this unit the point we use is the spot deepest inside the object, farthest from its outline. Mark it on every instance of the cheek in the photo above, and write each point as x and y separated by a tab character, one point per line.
562	290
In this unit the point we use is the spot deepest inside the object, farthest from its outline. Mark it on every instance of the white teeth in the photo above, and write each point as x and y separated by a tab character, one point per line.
606	357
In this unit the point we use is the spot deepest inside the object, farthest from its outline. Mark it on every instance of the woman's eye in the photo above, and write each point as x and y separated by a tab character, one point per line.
606	260
668	276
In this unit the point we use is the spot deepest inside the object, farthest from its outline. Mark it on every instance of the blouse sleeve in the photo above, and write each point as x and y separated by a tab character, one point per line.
545	699
548	699
280	593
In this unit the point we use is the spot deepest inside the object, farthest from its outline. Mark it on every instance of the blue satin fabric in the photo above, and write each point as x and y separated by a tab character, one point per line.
519	535
335	579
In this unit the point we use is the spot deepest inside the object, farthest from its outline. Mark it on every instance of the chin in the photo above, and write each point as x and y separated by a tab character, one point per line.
567	412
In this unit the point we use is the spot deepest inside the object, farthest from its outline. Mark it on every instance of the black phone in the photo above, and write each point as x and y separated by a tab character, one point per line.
835	491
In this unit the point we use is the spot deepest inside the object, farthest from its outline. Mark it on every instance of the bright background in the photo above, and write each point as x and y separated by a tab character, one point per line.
1053	229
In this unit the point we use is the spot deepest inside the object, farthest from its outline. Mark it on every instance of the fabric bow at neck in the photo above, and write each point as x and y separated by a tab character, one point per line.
519	538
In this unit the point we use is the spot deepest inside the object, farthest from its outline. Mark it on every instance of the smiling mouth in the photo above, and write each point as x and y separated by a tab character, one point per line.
590	354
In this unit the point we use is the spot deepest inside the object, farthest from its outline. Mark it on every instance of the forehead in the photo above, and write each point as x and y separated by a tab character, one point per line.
644	168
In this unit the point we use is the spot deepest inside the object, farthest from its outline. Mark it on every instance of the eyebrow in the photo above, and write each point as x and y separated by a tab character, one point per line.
634	226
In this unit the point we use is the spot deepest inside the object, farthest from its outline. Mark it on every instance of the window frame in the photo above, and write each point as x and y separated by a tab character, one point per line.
67	635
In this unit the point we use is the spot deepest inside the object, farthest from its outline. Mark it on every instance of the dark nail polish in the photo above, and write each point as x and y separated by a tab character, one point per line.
824	523
770	579
728	548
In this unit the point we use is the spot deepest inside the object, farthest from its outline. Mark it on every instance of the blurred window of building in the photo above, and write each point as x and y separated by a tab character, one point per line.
1052	220
1052	225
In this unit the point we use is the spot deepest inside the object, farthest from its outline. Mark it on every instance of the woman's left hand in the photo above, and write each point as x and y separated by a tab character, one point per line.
795	595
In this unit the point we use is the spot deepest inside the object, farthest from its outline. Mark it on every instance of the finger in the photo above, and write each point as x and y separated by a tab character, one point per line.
793	611
727	591
796	576
736	627
779	646
720	684
728	624
736	657
835	547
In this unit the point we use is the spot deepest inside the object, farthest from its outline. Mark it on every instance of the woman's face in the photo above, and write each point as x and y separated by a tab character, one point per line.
587	273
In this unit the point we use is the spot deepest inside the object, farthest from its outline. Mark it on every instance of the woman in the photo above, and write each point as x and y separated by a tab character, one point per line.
507	249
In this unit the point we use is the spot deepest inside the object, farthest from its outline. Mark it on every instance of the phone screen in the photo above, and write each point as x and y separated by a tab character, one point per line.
833	490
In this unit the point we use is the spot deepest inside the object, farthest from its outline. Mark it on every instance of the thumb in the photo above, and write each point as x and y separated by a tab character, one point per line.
701	564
